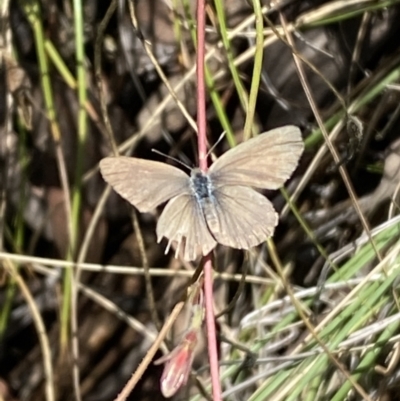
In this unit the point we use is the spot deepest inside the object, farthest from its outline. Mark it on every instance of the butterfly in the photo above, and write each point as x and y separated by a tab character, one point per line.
216	206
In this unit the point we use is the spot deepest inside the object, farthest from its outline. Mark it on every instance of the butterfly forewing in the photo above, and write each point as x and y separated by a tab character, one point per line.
182	221
144	183
245	217
265	161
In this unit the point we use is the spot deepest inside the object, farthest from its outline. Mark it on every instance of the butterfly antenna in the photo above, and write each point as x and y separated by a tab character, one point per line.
172	158
216	143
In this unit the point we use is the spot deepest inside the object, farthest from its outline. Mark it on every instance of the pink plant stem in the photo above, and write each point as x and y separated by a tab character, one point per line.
211	332
201	89
202	146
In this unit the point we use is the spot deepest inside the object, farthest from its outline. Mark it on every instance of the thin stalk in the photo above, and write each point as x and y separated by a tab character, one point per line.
223	29
202	149
257	66
70	284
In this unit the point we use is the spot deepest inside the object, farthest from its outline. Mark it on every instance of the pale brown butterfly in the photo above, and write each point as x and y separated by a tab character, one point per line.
217	206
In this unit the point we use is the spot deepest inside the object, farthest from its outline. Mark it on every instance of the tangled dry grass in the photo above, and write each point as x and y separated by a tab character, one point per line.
68	86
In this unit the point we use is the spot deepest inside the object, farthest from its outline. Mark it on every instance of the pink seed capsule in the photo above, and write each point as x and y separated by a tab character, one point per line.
178	364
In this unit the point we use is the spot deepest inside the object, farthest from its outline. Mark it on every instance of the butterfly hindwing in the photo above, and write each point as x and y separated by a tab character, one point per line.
245	218
144	183
265	161
182	221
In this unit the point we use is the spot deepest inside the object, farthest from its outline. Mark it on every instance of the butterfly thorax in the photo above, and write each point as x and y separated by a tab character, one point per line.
203	191
201	185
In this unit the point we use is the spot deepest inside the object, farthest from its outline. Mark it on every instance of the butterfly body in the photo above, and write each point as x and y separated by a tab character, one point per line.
217	206
203	192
